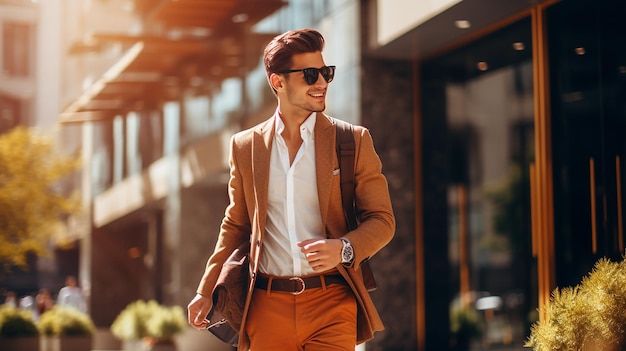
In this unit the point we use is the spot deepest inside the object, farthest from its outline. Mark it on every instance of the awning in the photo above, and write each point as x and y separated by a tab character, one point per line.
217	15
145	66
149	71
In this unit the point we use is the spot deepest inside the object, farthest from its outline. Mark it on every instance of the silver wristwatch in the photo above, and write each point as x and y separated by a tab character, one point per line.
347	252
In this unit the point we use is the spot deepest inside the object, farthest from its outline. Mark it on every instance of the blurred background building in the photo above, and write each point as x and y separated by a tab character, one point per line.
18	78
500	125
31	50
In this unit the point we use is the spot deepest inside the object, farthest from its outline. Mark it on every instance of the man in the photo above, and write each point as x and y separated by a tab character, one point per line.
306	288
72	295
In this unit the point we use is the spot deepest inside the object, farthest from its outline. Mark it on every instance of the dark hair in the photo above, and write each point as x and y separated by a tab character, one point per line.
278	53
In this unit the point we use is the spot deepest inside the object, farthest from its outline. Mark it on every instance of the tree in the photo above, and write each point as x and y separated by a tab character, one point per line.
31	200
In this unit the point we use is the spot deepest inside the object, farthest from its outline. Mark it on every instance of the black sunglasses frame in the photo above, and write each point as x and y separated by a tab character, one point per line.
311	74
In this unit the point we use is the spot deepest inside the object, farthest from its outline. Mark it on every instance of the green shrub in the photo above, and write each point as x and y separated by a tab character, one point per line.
16	323
465	322
65	321
148	320
465	325
589	316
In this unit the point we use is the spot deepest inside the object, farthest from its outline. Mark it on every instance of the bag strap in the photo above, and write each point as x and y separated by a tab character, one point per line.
345	155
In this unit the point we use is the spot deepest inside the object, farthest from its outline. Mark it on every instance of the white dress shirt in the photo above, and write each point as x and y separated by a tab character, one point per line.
293	213
72	296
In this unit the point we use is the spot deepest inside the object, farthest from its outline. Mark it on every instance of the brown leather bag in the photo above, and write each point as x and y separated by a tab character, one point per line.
229	296
345	155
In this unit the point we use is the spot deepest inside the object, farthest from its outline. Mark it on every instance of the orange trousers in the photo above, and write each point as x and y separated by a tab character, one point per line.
321	319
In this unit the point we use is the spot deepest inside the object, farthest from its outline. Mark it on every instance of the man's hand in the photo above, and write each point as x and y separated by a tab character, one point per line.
322	254
197	311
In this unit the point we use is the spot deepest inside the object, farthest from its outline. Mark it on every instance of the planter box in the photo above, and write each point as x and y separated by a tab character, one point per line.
142	346
20	344
131	346
66	343
160	347
103	339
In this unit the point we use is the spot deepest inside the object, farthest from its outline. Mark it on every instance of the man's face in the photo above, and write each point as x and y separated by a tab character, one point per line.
297	95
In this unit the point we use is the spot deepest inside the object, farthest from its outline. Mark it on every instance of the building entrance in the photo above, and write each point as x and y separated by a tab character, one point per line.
588	117
478	115
545	92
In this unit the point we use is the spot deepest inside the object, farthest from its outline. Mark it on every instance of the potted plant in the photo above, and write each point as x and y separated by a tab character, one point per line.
148	325
465	325
588	316
67	329
18	331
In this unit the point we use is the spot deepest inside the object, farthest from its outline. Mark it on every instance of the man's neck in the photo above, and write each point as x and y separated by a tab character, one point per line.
292	122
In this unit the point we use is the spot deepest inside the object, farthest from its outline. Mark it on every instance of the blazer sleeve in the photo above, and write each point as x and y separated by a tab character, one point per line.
373	203
235	226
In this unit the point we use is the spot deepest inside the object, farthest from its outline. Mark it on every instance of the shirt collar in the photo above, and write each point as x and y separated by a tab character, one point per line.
308	125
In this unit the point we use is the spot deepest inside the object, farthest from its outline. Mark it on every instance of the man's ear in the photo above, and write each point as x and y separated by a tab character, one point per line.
276	81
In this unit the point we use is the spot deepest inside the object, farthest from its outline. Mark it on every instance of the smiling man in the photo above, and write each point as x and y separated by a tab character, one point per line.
306	289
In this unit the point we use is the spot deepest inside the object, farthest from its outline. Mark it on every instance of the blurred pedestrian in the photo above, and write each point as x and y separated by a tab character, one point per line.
10	299
72	295
27	303
308	292
43	301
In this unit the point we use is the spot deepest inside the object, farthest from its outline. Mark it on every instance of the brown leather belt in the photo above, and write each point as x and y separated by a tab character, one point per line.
297	285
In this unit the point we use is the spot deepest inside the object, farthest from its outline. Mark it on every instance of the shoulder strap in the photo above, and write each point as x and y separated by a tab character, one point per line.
345	155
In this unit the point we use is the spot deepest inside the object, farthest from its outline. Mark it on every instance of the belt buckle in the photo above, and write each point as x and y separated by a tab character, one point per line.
303	285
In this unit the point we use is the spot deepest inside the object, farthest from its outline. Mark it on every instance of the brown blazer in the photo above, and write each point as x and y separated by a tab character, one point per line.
245	216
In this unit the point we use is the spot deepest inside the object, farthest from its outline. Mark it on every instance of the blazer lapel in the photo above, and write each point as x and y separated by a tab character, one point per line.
261	152
324	151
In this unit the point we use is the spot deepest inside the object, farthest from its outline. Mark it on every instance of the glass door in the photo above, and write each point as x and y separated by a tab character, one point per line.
588	93
478	122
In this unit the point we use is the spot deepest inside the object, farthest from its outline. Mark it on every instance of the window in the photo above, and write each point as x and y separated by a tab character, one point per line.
10	115
16	49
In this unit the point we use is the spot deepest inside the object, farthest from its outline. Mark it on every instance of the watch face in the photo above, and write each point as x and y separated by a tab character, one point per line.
347	253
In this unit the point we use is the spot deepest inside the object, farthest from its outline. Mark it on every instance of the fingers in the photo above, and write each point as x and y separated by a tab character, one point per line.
197	310
200	321
313	245
320	267
321	254
304	243
313	252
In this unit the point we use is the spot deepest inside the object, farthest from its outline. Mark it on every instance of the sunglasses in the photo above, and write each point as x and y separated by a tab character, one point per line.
311	74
